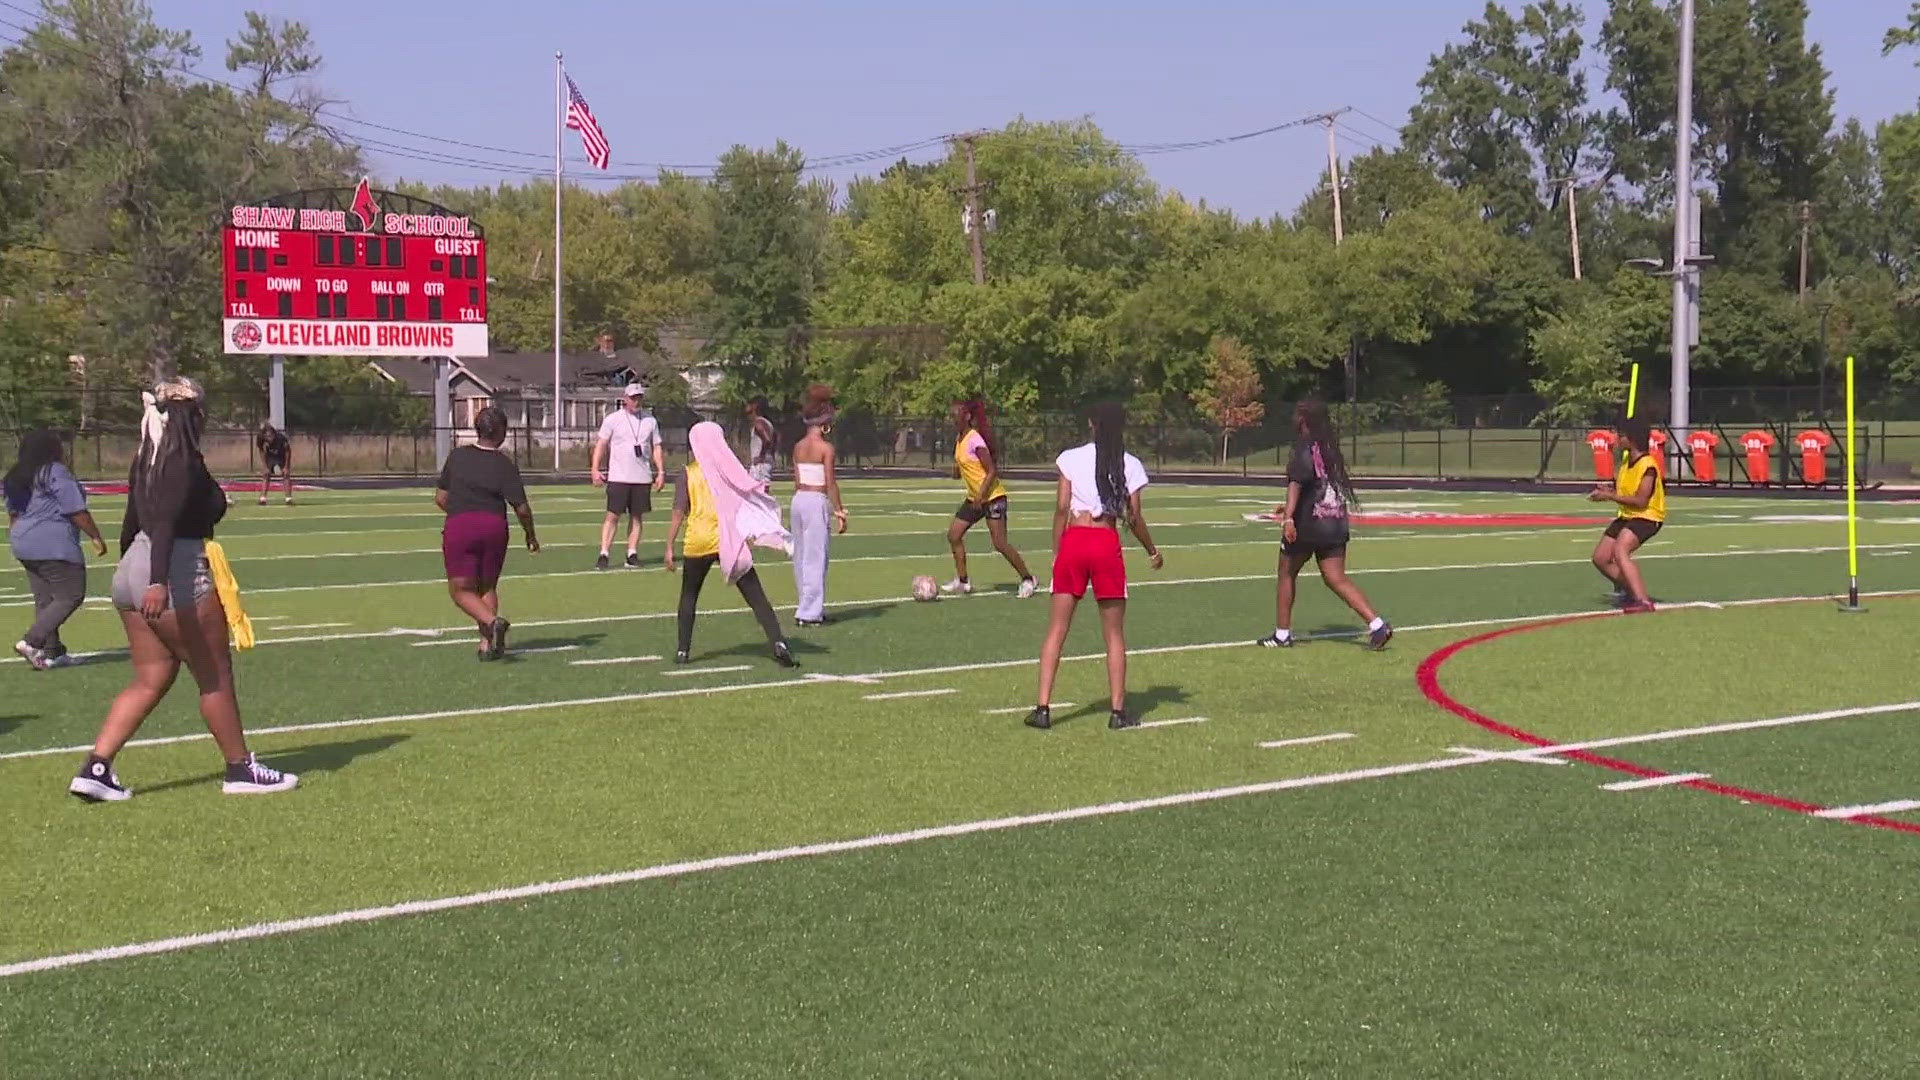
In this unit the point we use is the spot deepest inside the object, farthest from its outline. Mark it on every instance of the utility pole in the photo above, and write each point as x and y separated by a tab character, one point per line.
976	223
1333	176
1806	229
1684	271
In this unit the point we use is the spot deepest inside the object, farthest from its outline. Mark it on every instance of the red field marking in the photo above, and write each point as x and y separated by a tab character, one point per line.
249	487
1424	517
1428	676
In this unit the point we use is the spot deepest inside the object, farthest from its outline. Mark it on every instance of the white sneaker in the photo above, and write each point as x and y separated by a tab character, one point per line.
63	660
956	587
263	500
1027	586
35	659
254	778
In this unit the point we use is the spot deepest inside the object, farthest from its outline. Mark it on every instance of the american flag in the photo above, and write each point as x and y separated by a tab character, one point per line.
580	118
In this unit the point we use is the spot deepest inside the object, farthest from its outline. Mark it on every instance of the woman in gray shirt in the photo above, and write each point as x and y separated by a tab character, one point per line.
46	513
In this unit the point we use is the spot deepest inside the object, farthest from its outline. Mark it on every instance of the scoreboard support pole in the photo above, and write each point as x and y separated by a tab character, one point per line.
277	393
442	410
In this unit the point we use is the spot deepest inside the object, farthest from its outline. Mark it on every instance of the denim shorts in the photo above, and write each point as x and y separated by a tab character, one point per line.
188	579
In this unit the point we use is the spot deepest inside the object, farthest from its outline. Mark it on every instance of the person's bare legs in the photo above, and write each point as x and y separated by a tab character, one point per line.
1603	561
471	599
154	669
1333	571
1113	627
1059	621
287	473
1287	588
1624	546
633	534
957	543
998	530
198	636
606	532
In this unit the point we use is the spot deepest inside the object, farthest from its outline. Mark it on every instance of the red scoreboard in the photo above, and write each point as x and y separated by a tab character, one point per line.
354	272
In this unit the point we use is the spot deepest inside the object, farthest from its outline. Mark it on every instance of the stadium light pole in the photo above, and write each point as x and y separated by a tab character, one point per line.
1684	274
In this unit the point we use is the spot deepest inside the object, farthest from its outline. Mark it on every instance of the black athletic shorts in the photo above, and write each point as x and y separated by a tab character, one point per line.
1640	527
1304	549
633	499
277	464
970	513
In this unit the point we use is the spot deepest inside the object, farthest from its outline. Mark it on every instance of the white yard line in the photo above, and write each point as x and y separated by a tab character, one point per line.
684	868
1018	709
1541	758
614	660
1897	806
1167	723
1308	740
1654	781
516	651
896	695
313	626
712	671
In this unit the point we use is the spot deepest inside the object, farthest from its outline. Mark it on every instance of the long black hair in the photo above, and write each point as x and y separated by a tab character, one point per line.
38	449
1110	457
1319	440
1638	433
162	473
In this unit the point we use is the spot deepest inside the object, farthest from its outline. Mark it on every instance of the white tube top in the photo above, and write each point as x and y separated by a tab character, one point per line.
810	473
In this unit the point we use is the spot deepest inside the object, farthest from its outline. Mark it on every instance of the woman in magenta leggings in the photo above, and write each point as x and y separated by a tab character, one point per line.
477	484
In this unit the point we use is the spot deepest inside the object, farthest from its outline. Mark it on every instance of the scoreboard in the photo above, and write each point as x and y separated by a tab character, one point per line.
353	272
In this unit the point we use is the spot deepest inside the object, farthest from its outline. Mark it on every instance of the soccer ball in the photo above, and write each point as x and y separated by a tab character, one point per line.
925	588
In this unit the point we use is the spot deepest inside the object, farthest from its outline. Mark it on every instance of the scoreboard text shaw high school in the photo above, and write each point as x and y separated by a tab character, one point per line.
303	280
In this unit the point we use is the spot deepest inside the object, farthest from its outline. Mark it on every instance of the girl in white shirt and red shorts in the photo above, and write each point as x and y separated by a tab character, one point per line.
1100	486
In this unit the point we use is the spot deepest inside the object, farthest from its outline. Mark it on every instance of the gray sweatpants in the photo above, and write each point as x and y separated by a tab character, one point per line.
812	536
59	588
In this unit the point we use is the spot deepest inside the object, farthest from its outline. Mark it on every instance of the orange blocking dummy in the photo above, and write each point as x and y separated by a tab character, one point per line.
1703	444
1813	444
1759	447
1603	443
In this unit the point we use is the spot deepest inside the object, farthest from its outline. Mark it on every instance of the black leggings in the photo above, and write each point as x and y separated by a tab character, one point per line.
693	575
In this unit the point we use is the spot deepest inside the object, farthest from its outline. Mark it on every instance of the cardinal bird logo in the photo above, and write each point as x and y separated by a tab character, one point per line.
364	207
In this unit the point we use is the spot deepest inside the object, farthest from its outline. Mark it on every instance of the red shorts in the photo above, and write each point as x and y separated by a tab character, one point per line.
473	546
1090	554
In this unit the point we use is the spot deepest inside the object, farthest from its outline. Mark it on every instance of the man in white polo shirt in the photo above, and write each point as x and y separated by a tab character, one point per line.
628	448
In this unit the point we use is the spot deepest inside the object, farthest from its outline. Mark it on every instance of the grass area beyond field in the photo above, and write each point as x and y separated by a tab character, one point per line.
586	861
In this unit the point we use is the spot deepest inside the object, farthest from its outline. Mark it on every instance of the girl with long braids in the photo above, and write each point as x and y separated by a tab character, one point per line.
164	592
977	458
1099	488
1314	525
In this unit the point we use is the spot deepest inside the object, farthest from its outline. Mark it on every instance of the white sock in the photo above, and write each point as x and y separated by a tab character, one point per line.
1283	634
603	553
1377	623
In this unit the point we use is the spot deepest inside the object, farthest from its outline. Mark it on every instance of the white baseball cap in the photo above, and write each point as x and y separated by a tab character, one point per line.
634	389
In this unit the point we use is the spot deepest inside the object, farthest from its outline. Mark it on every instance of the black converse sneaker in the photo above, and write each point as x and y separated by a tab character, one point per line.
1118	719
96	782
784	656
633	560
252	778
1041	717
1275	641
601	562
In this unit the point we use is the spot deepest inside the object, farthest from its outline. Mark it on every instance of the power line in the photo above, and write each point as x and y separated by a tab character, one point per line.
1395	128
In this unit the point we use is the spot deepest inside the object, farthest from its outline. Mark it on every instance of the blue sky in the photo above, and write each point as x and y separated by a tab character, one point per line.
679	83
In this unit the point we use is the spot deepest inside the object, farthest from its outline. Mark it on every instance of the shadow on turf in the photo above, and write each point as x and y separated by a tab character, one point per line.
325	758
8	723
1140	703
584	641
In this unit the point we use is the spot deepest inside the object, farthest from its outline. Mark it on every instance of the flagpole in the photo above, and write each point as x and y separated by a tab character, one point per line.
559	122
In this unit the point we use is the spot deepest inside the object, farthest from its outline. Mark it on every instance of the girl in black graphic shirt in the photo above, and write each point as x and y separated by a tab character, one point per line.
1314	525
164	593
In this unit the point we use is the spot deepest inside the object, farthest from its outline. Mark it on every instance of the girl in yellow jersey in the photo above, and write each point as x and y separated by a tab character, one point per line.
973	455
1640	491
694	510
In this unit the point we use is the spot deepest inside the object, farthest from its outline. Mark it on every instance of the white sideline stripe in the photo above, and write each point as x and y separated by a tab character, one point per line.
1898	806
1017	709
1654	781
313	626
1167	723
511	651
1278	743
834	847
942	692
1708	729
614	660
450	641
818	676
712	671
1502	755
988	665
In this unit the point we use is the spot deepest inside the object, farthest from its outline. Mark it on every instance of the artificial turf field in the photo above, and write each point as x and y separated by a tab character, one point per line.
869	867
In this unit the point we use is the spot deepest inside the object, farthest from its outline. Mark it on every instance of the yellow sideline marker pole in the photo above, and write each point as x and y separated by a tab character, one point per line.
1853	514
1633	401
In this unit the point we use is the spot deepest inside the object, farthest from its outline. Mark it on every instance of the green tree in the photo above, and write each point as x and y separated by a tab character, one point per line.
1231	396
770	233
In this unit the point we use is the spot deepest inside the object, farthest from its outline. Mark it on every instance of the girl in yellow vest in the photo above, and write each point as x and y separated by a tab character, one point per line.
974	455
697	510
1640	491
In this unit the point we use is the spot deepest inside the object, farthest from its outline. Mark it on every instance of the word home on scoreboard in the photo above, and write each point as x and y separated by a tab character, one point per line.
332	273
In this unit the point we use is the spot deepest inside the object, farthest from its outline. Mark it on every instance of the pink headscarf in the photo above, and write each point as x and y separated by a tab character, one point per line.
748	514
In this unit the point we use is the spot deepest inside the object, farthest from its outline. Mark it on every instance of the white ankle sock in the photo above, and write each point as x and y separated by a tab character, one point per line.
1377	623
1282	634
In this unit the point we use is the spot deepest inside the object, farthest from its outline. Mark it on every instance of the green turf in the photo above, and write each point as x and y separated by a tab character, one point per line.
1227	938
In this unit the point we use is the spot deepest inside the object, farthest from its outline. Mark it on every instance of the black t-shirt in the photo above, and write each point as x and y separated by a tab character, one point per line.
192	504
272	443
1320	517
482	480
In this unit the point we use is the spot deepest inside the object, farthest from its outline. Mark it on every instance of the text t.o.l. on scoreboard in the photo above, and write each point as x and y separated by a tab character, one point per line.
354	272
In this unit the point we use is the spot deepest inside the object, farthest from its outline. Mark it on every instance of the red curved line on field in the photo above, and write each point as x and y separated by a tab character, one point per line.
1428	676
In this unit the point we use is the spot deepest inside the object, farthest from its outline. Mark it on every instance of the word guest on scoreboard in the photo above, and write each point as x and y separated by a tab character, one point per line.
354	272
